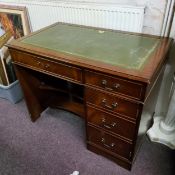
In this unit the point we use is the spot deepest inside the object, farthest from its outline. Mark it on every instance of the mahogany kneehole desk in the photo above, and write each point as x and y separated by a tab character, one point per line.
108	77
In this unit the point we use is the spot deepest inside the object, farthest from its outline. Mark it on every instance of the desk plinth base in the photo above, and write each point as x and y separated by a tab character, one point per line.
123	163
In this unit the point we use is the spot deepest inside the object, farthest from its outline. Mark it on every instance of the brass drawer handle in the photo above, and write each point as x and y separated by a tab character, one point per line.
38	63
112	107
47	66
103	141
115	86
108	126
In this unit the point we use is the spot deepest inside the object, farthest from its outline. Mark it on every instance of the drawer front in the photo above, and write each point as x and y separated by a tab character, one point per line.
112	103
111	123
47	66
116	85
109	142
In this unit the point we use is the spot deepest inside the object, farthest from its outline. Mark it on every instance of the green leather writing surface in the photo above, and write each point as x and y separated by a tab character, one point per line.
119	49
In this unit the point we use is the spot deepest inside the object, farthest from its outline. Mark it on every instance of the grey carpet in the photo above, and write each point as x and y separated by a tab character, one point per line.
55	145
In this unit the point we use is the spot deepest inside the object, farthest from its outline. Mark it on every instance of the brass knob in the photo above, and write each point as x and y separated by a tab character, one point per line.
116	85
104	82
38	63
47	66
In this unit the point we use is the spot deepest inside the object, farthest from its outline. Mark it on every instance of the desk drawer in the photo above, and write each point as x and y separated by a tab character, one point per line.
39	63
111	123
112	103
116	85
109	142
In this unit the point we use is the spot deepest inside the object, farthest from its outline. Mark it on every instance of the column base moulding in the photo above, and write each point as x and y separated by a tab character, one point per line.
159	133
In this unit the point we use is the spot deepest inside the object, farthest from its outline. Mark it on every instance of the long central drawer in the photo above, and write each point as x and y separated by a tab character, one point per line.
40	63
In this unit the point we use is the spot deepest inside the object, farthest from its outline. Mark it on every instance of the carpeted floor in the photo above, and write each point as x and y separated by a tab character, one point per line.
55	145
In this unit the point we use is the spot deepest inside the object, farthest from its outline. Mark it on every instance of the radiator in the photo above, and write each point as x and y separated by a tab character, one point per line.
43	13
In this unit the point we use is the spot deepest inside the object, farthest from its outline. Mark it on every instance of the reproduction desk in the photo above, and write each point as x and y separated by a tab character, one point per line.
108	77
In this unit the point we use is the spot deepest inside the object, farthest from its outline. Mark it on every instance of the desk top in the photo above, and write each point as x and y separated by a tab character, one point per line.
119	49
119	52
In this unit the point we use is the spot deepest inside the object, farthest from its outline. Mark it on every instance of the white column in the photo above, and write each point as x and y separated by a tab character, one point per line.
163	129
169	123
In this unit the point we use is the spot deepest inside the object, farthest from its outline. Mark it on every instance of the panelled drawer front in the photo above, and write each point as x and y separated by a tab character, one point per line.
118	85
49	66
111	123
112	103
109	142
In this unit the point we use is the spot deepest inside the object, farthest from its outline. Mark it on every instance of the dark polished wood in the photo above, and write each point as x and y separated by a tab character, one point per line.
117	85
116	103
113	103
32	94
112	123
40	63
109	142
146	75
110	155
